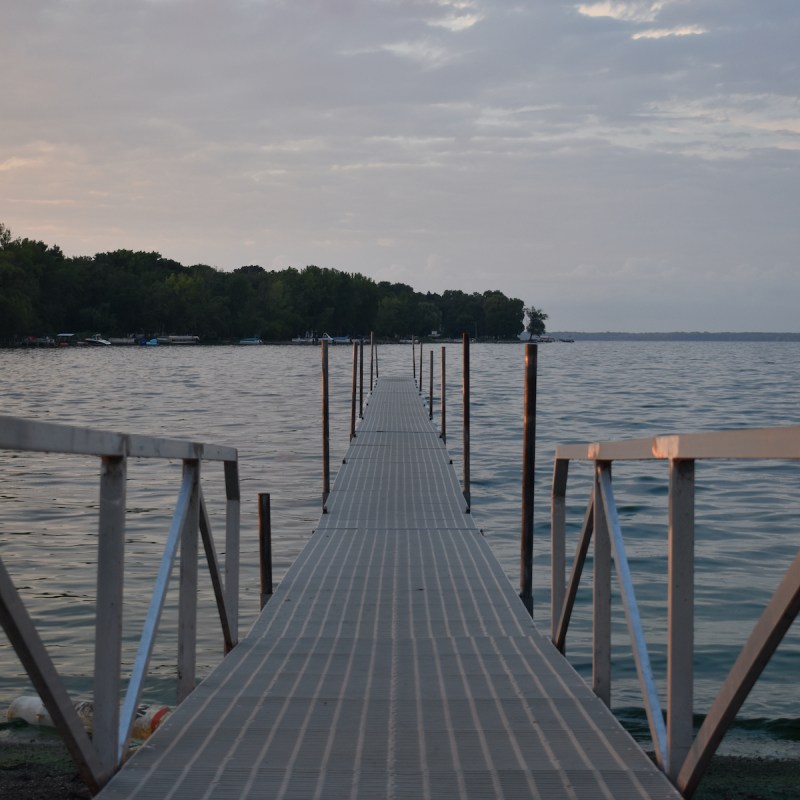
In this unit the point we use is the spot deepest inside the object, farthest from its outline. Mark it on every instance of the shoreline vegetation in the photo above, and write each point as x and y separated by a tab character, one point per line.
126	294
45	771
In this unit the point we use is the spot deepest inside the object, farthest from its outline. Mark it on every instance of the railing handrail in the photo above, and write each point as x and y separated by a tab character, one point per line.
17	433
680	754
781	443
99	758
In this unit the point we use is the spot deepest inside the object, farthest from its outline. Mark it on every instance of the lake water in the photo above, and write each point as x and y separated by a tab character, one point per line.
265	401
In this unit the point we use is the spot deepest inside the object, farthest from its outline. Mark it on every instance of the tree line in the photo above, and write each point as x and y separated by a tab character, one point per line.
123	293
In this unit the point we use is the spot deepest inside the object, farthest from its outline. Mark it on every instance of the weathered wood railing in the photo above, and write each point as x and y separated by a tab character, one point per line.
683	757
98	758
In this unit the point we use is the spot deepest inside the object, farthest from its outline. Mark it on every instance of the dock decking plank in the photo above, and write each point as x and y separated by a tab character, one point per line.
394	660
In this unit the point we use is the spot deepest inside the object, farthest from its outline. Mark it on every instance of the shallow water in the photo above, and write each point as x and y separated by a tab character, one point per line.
266	402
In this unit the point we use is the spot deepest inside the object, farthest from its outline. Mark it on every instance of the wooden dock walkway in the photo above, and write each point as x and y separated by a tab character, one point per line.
395	660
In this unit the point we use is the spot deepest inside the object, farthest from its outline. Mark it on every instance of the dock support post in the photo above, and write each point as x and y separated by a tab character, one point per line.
371	359
420	367
353	398
465	400
414	358
430	391
444	401
361	379
326	451
528	472
265	546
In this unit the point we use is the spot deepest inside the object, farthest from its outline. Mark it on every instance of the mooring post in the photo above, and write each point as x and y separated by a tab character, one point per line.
444	403
353	399
377	369
465	401
326	454
361	379
430	391
414	358
420	367
265	546
528	471
371	358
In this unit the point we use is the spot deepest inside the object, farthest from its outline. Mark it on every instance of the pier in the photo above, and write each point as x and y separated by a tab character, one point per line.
394	660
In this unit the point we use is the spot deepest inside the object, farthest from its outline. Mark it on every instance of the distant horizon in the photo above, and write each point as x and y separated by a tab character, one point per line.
683	334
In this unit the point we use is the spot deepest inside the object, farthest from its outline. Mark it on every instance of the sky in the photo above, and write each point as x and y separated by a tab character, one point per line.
625	165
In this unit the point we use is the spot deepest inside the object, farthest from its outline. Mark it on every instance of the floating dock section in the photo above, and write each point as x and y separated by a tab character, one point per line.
395	660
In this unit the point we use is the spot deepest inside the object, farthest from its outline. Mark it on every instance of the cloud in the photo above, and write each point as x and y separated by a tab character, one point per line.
663	33
19	163
425	52
457	23
632	11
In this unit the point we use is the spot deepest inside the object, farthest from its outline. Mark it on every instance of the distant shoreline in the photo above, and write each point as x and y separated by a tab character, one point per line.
676	336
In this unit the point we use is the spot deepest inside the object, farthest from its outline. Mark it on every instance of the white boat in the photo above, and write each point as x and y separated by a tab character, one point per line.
309	338
326	337
251	340
97	340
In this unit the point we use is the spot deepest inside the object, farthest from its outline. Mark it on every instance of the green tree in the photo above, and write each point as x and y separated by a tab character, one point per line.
535	325
502	315
5	236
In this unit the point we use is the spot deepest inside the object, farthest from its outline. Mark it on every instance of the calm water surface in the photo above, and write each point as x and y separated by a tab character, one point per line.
265	401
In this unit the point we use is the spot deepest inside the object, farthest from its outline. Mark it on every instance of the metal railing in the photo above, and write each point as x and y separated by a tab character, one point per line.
97	759
681	755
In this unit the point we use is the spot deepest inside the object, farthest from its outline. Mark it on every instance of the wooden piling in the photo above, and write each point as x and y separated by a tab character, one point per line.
265	547
465	425
326	450
528	472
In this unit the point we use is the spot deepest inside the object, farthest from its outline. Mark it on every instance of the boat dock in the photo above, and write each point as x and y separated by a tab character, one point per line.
395	660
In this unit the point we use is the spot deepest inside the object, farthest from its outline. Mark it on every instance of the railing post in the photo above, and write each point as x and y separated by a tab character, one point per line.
361	379
326	454
430	391
232	546
465	401
444	398
108	622
772	625
528	473
558	543
601	604
680	653
187	608
353	398
265	547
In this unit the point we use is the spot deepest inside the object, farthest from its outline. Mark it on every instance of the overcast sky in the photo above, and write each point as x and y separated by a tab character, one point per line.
622	165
